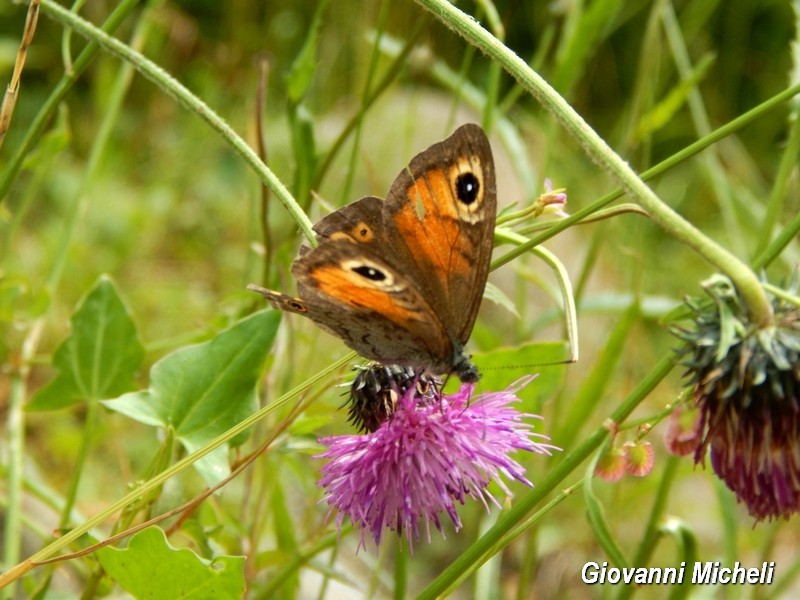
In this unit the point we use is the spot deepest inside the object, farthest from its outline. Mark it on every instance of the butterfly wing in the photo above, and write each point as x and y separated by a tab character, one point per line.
401	280
360	221
359	296
350	286
439	222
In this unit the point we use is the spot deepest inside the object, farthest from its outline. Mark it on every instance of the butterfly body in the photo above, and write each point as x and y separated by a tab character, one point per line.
400	280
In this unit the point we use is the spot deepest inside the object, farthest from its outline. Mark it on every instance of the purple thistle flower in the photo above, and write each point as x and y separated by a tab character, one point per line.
425	458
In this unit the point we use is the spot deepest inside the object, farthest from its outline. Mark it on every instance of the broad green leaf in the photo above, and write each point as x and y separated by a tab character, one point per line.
150	568
500	368
201	391
99	358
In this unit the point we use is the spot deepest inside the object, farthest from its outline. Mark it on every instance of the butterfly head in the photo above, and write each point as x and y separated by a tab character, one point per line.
463	367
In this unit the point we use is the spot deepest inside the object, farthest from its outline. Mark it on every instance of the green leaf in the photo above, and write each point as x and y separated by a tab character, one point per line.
663	112
502	366
305	64
201	391
150	568
99	358
496	295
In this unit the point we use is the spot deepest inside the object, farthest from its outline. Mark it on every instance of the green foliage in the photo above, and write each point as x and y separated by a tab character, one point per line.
101	355
298	81
544	358
201	391
150	568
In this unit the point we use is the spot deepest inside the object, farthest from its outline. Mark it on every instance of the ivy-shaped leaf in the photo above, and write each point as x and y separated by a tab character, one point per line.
101	355
201	391
150	568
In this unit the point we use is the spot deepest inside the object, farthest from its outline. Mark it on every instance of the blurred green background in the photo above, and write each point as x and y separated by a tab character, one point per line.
172	214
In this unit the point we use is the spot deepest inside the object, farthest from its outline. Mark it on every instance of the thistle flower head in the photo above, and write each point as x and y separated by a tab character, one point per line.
374	393
746	386
429	456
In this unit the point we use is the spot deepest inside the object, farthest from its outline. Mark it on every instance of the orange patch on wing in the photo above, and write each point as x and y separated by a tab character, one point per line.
430	225
350	289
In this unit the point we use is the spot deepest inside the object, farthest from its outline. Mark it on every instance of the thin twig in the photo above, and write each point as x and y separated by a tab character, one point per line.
10	99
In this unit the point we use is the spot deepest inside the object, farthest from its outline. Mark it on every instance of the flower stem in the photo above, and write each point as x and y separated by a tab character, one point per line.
744	278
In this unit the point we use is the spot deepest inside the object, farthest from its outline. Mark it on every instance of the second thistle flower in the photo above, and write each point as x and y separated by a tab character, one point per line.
746	387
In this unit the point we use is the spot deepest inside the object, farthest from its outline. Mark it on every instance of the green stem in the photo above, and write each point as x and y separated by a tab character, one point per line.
564	285
66	38
90	426
782	294
79	202
743	277
652	530
710	162
393	71
400	574
15	427
383	17
15	430
783	239
300	559
52	103
77	206
777	246
188	100
778	194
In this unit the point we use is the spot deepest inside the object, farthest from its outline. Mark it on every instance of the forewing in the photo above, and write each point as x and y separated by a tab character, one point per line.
358	296
440	216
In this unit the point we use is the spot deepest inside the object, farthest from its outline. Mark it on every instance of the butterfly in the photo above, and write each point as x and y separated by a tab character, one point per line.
401	280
